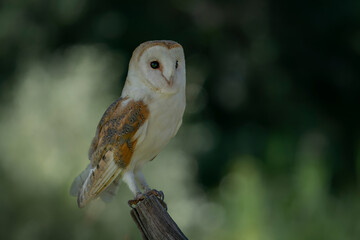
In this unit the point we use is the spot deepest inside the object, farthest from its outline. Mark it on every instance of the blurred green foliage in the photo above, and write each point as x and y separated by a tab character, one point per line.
270	145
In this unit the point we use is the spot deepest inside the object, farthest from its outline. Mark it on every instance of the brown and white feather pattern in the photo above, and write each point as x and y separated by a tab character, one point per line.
113	146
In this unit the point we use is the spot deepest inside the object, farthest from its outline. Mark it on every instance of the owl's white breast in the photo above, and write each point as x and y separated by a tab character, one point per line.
165	116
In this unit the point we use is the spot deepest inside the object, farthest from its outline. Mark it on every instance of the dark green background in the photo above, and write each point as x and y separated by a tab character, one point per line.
279	96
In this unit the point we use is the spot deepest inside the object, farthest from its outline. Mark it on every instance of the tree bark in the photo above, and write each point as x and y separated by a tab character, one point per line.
153	220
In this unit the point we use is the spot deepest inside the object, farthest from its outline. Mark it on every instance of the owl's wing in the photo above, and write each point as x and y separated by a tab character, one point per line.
121	128
109	193
110	114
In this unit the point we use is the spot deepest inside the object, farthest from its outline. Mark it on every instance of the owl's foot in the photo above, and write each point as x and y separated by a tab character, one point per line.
156	193
138	198
141	196
159	194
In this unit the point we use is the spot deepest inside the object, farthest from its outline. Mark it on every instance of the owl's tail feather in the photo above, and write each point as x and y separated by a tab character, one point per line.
79	181
95	182
83	193
80	186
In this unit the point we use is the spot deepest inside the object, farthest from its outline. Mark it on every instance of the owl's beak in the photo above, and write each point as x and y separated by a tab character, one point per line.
170	81
168	75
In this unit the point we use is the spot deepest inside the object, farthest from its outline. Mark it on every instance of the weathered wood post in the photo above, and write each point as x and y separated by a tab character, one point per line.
153	220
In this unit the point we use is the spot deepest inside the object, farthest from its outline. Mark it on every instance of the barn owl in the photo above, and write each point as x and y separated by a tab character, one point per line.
137	126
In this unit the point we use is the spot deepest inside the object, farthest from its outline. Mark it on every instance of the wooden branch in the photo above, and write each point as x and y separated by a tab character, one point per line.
151	217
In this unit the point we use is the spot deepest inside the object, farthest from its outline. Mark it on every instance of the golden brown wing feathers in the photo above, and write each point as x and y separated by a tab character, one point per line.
113	146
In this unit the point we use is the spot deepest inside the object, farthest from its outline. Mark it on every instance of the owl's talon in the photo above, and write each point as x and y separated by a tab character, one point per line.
138	198
159	194
162	196
141	196
131	203
156	193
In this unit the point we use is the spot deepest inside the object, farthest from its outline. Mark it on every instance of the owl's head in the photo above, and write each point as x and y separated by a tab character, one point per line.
159	65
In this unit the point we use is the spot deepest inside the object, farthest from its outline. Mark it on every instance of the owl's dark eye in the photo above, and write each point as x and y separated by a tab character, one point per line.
176	64
154	64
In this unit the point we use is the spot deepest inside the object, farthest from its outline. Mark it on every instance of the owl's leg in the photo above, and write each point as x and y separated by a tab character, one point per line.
147	190
129	178
139	176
